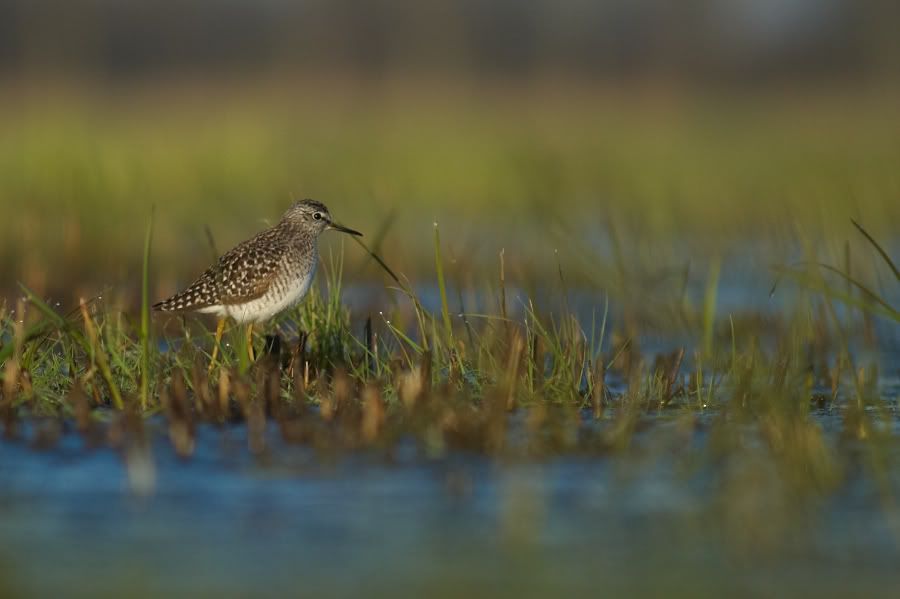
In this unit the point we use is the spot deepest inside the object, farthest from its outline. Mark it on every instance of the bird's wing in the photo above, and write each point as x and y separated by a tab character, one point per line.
242	274
246	272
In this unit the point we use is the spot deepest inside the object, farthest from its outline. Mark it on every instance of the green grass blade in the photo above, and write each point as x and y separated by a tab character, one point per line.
850	300
851	283
709	305
878	248
733	344
439	268
145	317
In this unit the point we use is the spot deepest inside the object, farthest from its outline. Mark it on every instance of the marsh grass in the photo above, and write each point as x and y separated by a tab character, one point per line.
456	380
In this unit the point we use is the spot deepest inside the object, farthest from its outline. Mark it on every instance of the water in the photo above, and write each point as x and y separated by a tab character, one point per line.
290	522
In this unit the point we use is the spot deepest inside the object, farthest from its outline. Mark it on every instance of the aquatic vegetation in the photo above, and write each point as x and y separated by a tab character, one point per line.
516	382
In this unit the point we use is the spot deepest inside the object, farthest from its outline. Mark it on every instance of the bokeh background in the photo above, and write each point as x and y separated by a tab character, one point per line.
550	130
659	159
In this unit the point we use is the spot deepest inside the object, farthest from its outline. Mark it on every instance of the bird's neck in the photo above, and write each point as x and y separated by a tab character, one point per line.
301	237
295	230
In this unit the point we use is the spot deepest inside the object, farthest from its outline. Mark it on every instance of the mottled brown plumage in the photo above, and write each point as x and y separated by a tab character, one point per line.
265	274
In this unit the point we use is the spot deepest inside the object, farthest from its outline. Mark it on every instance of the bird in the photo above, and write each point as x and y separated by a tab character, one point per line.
262	276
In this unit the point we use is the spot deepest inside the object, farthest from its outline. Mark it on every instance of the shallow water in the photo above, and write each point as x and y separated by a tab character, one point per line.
74	521
659	518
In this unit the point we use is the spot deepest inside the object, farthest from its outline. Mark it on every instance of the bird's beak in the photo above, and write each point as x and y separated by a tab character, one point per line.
344	229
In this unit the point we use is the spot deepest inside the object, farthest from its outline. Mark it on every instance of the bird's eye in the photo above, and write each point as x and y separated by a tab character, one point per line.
317	216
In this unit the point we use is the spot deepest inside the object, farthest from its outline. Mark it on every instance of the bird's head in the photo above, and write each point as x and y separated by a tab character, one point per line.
314	216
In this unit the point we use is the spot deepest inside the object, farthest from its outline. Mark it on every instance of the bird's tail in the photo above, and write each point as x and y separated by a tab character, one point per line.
165	305
185	301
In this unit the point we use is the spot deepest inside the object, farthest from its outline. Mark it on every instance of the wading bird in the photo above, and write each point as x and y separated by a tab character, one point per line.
262	276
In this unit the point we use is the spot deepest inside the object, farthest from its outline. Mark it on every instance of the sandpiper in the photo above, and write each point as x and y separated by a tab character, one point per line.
262	276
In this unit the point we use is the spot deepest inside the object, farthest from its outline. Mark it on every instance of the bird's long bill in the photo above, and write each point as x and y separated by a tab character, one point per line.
344	229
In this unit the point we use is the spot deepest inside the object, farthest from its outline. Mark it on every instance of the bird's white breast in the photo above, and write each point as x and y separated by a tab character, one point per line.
285	292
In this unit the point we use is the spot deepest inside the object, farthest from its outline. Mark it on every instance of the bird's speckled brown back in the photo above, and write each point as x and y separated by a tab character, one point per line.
249	270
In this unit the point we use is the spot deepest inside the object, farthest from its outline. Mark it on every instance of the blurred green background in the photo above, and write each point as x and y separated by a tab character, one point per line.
530	126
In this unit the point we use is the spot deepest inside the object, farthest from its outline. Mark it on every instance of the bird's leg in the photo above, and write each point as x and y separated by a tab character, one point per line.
220	328
250	342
